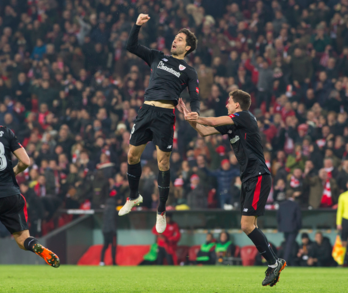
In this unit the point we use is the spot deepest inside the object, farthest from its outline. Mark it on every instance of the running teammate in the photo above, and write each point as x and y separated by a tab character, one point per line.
170	75
13	206
242	129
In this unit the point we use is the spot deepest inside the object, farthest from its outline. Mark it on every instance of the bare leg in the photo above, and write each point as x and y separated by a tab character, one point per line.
249	227
20	237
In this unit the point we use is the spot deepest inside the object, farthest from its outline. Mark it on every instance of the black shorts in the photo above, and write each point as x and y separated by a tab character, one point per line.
344	232
13	213
254	195
156	124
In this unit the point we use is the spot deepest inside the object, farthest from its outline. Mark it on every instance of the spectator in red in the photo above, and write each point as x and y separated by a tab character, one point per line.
167	242
323	192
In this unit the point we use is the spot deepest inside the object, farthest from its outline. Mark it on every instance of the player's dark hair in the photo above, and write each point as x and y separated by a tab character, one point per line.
191	39
242	98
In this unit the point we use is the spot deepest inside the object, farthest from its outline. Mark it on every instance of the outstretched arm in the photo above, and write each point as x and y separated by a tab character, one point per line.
202	130
210	121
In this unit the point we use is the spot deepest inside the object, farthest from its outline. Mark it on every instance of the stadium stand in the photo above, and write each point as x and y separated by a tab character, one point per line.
70	91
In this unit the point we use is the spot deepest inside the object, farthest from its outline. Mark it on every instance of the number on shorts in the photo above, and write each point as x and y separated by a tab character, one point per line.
3	161
133	129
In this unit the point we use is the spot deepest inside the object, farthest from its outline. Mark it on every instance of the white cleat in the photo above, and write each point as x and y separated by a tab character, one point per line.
161	222
129	205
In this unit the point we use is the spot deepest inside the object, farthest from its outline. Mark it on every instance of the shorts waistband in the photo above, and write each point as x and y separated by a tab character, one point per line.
158	109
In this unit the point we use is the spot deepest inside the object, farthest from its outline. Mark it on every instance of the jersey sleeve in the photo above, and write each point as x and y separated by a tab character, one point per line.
193	88
241	119
14	143
141	51
223	129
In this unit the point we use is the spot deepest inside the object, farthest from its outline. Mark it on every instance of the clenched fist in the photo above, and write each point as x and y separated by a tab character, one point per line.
142	18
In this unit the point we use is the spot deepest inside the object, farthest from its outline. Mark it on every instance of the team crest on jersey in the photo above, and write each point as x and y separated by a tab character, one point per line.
182	67
1	133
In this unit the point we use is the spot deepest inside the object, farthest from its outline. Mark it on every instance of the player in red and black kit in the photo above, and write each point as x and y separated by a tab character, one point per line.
170	75
13	206
242	129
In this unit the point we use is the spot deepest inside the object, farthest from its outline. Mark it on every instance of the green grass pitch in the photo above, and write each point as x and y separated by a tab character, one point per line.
213	279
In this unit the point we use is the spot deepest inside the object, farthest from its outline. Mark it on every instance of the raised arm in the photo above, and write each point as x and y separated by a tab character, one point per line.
134	47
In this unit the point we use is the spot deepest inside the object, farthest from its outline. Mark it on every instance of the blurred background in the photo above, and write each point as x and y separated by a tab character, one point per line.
70	91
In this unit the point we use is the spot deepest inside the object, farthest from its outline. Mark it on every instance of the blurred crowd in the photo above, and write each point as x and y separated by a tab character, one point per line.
307	253
70	91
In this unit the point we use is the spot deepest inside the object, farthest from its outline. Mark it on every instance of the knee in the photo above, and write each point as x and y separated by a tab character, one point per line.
247	228
133	158
163	163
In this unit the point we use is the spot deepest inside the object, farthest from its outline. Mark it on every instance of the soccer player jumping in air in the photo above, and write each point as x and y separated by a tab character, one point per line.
13	207
243	132
170	75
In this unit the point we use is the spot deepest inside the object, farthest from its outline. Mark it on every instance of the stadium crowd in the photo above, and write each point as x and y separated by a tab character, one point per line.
70	91
310	253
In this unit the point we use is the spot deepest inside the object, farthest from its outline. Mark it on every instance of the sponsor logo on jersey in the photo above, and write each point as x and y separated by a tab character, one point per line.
245	210
169	147
170	70
229	132
182	67
197	90
1	133
165	59
235	139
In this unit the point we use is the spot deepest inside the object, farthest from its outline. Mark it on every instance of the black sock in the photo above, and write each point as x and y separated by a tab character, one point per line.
163	187
270	247
29	243
134	173
262	245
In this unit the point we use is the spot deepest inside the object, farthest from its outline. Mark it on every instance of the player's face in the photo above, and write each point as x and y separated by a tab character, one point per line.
231	106
179	45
